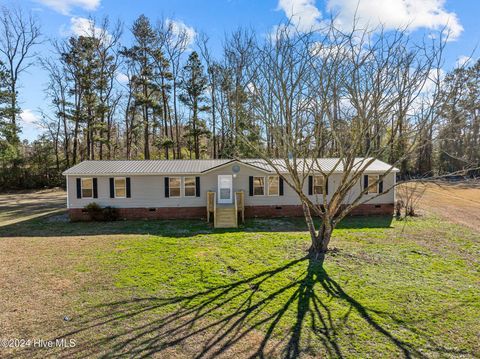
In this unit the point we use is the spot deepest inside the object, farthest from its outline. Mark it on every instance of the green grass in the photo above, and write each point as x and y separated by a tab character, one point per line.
182	289
387	290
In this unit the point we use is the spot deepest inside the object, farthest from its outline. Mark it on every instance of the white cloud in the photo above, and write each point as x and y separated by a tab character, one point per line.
415	14
325	51
179	27
122	78
65	6
463	61
435	77
81	26
303	14
29	117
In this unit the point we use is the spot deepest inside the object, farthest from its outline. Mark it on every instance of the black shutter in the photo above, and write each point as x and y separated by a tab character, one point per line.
365	181
95	188
112	188
167	187
310	185
197	186
129	190
280	186
326	185
380	186
250	186
79	188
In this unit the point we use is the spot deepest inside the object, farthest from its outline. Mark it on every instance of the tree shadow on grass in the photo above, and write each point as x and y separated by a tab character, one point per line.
305	316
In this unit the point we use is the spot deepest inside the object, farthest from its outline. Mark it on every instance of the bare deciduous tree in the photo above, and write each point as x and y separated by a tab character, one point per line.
334	94
409	195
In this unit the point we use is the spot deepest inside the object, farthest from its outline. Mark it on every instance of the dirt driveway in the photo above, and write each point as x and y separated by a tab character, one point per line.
20	206
456	202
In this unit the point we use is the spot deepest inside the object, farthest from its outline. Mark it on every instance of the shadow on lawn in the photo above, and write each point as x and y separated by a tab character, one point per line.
58	226
198	325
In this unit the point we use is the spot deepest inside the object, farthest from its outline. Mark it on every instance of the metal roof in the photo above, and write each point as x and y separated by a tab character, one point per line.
156	167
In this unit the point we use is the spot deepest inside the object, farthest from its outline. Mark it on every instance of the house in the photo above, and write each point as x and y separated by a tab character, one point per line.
168	189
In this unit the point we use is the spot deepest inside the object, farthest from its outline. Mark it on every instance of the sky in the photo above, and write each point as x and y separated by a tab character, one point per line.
63	18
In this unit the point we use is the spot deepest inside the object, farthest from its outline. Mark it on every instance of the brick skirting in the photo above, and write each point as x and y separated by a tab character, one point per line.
79	214
297	211
373	209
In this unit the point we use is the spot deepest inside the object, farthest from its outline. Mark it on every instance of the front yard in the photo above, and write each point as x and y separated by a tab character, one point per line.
181	289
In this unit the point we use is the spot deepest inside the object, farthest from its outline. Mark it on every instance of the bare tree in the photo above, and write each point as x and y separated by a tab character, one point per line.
19	33
57	91
409	195
331	93
212	74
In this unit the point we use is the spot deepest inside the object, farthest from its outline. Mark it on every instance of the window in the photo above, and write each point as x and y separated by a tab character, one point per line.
189	186
87	187
258	186
120	187
273	188
174	184
318	182
372	179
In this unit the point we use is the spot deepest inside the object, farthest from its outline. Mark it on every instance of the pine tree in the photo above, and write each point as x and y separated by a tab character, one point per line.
8	150
141	60
194	86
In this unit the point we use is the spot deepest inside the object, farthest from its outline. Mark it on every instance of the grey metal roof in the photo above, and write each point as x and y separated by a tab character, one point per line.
143	167
156	167
323	164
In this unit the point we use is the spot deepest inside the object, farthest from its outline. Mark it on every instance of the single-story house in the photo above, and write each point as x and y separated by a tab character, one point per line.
168	189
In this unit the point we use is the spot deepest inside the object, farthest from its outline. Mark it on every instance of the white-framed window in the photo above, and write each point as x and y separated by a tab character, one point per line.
174	186
189	187
318	182
87	187
372	179
258	186
120	186
273	186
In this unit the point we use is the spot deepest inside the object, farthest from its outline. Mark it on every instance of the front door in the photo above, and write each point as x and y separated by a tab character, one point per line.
225	188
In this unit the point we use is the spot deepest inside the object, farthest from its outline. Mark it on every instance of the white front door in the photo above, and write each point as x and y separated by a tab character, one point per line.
225	188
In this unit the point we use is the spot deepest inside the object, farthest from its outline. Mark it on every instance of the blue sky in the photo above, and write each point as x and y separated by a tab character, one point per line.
60	18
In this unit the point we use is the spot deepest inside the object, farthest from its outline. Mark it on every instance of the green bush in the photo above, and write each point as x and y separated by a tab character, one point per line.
98	213
94	211
110	214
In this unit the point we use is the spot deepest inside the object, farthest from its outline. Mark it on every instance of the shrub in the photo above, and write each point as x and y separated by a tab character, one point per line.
110	214
94	211
98	213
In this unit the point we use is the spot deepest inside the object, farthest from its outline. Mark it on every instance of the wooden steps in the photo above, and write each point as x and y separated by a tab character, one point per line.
225	217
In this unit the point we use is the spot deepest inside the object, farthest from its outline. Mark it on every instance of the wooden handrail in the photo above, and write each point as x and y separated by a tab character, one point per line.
211	204
236	211
215	209
240	204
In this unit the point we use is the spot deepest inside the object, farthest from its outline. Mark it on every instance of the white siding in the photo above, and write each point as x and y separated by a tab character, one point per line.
148	191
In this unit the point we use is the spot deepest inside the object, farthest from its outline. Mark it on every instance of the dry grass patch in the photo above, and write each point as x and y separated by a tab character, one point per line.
456	202
20	206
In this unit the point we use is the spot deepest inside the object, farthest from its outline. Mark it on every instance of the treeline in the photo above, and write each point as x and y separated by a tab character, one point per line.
161	95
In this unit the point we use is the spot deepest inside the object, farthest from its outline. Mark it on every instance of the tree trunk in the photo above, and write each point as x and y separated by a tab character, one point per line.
146	132
175	114
321	239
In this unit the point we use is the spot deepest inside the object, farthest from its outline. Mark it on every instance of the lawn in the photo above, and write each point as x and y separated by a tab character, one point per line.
181	289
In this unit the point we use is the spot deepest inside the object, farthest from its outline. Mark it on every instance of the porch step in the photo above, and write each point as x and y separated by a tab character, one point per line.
225	217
